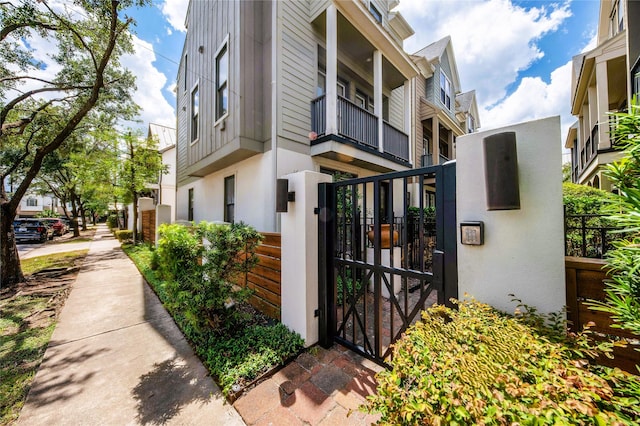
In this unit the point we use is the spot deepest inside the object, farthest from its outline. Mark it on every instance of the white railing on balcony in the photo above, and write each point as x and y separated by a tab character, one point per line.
361	126
396	142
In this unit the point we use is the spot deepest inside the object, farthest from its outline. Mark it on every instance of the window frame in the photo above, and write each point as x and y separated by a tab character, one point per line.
445	90
32	202
223	51
373	10
194	119
229	217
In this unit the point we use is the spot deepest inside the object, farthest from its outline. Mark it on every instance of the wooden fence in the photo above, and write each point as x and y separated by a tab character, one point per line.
148	226
585	281
264	278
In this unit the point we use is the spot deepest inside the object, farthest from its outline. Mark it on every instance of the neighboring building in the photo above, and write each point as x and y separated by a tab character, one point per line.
601	82
443	112
32	205
267	88
166	187
633	47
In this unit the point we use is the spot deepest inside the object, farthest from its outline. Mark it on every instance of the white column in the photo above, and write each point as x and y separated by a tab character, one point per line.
299	275
377	93
407	119
332	70
435	131
603	104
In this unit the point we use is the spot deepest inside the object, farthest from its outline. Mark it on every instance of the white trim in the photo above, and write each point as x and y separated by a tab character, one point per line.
197	139
221	47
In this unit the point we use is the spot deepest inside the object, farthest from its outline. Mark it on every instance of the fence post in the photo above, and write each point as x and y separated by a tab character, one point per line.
299	275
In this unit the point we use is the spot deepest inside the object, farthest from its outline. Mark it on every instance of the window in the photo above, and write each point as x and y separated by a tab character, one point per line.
342	87
375	12
636	82
190	212
32	202
322	83
616	18
445	90
471	124
222	81
195	107
229	198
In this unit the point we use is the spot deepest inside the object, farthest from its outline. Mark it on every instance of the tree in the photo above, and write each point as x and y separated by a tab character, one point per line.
142	166
38	114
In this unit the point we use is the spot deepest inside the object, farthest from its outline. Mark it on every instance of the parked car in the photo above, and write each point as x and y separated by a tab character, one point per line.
57	225
32	230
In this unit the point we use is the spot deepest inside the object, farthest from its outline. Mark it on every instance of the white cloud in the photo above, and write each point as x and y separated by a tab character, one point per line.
150	82
533	99
493	40
176	12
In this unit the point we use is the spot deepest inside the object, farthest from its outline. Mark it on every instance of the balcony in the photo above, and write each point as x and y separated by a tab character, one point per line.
359	128
427	160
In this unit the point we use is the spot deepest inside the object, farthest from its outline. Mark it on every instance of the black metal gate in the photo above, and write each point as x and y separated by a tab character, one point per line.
387	251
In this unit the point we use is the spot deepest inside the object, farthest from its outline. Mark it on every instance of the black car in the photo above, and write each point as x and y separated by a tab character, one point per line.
32	230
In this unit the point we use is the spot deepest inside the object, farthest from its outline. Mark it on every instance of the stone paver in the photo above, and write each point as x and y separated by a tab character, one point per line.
321	387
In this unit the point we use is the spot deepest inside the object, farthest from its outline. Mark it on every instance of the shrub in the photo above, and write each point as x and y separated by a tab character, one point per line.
623	290
583	199
112	221
477	366
124	235
251	353
200	264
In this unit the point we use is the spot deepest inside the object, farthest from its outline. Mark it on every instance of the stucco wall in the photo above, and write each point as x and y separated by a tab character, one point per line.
523	252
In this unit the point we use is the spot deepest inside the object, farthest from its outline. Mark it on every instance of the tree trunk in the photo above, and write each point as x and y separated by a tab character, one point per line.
74	218
135	218
10	270
83	214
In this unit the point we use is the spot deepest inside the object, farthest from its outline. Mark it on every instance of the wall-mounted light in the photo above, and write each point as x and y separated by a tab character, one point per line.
501	171
283	196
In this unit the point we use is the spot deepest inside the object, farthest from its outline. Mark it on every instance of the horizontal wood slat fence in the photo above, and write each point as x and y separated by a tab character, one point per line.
149	226
585	281
264	278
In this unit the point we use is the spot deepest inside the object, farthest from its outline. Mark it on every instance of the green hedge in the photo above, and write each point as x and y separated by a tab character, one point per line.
124	235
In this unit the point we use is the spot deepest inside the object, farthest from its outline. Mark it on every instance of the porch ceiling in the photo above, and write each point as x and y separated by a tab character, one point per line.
353	45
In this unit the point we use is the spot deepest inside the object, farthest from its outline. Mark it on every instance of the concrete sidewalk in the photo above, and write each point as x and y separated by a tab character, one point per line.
116	357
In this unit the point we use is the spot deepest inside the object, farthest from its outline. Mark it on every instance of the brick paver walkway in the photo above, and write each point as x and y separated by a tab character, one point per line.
321	387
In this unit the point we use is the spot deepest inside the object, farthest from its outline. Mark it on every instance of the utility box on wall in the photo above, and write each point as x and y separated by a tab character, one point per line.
522	250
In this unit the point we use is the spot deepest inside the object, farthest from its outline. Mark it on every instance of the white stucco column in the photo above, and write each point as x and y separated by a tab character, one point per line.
332	70
377	93
523	250
407	119
299	275
603	104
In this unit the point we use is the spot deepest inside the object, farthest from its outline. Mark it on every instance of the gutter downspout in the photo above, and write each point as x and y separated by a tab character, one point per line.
274	106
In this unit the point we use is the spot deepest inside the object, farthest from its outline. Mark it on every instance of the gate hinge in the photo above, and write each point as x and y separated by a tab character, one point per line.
316	210
316	313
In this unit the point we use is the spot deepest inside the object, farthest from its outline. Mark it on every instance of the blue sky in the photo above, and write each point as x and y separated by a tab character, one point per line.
516	54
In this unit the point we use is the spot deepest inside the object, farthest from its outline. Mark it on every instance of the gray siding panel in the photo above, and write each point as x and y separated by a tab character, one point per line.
210	24
297	70
396	108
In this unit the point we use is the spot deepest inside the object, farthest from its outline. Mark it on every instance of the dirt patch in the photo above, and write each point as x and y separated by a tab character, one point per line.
54	284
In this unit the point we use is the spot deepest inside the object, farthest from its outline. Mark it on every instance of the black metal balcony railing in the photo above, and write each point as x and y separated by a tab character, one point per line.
427	160
360	126
357	123
395	141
